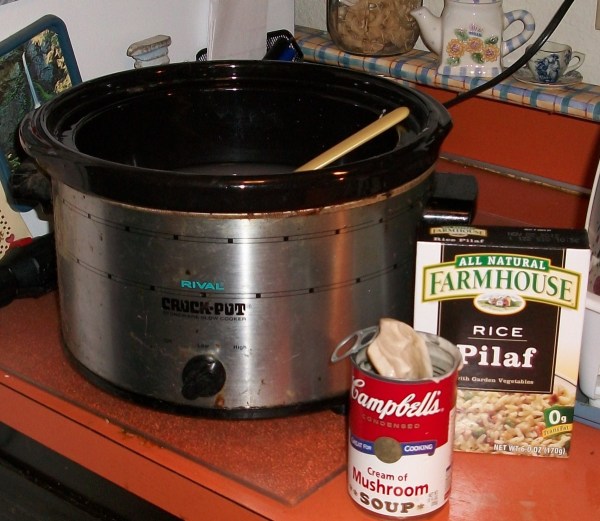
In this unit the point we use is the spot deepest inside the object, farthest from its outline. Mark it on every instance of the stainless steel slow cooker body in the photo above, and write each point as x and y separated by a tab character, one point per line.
227	312
197	271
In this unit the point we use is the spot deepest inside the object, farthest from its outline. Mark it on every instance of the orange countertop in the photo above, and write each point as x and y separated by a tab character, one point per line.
291	468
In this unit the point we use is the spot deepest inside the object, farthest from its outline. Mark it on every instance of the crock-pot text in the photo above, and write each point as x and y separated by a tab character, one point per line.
198	307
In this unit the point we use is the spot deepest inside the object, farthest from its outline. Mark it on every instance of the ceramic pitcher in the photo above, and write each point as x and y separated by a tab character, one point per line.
468	36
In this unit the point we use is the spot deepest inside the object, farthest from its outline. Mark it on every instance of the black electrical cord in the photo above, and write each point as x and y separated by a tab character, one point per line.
535	47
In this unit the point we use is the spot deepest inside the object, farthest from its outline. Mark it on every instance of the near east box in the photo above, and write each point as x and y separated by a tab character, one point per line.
513	301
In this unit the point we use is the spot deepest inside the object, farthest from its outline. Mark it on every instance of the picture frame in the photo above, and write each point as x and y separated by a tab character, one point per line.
36	64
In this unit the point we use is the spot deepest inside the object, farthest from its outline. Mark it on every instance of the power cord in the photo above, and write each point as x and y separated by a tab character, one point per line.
535	47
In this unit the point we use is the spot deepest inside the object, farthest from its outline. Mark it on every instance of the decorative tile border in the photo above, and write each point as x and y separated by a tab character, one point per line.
581	100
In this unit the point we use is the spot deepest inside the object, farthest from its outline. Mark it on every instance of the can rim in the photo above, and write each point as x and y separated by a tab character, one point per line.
355	342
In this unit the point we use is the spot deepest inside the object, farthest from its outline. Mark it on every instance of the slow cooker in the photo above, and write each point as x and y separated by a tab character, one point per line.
196	270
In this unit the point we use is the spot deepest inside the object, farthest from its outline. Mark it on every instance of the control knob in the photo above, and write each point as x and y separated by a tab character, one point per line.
202	376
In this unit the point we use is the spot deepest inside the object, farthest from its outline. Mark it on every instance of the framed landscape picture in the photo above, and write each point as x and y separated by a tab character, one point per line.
36	64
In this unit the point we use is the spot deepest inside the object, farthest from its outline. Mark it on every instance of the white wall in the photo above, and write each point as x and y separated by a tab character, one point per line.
576	29
102	30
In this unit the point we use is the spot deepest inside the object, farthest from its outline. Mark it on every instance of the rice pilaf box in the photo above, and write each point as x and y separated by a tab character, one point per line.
513	301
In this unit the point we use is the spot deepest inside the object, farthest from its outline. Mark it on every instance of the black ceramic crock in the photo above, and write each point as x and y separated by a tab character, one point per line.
151	137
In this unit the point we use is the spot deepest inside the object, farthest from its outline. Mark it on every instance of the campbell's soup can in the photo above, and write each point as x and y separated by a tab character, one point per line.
401	435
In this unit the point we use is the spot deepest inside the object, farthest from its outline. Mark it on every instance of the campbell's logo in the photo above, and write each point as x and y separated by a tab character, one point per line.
409	407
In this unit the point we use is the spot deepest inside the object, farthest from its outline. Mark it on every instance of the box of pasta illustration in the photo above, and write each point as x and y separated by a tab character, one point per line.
513	301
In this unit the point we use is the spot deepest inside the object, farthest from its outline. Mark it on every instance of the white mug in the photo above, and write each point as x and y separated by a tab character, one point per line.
553	61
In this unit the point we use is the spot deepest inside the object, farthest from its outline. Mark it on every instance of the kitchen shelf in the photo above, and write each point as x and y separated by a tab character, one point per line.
581	100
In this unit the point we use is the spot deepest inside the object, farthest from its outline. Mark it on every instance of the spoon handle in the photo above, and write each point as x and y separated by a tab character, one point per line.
355	140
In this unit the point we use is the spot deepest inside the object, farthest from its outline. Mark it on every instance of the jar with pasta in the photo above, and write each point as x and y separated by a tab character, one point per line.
373	27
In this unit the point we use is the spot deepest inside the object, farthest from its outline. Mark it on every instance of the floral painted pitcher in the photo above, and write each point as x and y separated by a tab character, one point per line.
468	35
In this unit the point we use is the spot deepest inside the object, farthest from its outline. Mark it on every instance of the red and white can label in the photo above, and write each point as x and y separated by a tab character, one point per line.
400	443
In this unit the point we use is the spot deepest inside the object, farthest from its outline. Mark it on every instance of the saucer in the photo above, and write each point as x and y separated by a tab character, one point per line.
571	78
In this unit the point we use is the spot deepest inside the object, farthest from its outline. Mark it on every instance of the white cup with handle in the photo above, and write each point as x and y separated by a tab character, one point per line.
553	61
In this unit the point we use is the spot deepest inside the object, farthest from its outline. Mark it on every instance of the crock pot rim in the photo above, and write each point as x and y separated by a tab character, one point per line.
43	144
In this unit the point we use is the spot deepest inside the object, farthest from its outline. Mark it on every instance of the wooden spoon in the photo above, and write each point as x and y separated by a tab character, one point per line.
355	140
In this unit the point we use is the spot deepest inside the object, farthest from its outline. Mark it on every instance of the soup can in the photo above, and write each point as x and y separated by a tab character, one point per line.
401	432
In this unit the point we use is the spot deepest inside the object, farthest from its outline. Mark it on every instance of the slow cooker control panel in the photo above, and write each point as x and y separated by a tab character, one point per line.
202	376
